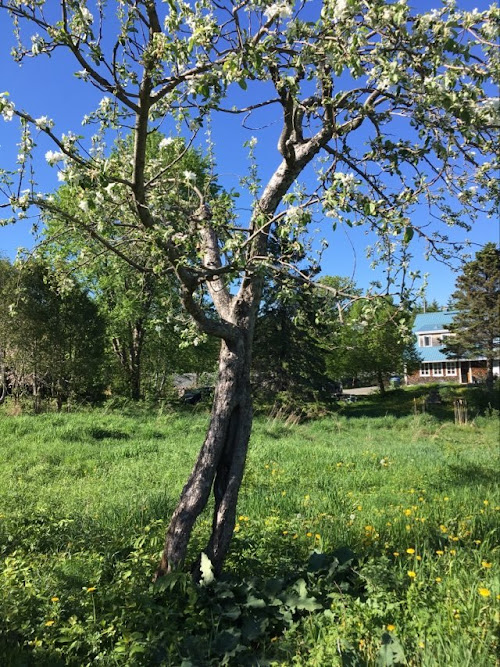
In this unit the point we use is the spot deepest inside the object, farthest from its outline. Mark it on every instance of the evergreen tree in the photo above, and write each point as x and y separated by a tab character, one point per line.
477	298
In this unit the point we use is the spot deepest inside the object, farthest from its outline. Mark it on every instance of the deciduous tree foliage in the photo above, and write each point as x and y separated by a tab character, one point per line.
380	107
477	299
52	343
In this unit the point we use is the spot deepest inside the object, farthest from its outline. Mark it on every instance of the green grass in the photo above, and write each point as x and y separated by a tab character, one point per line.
84	499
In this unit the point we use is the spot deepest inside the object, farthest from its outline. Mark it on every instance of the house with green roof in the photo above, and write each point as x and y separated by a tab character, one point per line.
431	331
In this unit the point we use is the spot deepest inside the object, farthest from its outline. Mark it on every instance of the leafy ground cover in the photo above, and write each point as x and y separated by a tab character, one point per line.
360	540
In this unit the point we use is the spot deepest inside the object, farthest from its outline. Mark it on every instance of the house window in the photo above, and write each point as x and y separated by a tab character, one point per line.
437	369
425	370
451	368
425	341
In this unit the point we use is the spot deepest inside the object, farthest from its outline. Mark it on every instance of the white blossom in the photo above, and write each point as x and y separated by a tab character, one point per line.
104	104
6	107
280	10
44	123
84	205
53	157
340	9
36	44
86	15
189	175
167	141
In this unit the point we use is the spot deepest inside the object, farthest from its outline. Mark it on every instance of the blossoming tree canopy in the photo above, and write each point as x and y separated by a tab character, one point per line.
380	109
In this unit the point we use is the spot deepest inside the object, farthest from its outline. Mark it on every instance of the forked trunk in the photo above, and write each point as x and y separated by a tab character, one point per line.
220	463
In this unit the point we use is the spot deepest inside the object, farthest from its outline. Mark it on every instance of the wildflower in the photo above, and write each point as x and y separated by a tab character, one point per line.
91	589
368	529
486	502
485	563
396	553
390	627
54	599
477	541
453	552
49	623
285	532
407	512
439	552
317	536
412	574
418	557
189	175
410	551
443	529
484	592
295	536
308	534
438	580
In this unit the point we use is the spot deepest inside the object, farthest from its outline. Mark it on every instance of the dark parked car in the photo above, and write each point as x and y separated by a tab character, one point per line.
194	396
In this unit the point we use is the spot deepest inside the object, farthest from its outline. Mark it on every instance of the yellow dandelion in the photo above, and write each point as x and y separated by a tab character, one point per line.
368	529
443	528
285	532
485	563
309	534
49	623
486	502
395	553
412	574
407	512
390	627
418	557
484	592
91	589
54	599
453	552
295	536
477	541
317	536
438	580
410	551
439	552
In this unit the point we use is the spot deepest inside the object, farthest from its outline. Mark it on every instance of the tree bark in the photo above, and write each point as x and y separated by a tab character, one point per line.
3	378
380	381
220	463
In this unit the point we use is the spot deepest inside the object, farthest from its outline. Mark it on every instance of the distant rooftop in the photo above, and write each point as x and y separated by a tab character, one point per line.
434	321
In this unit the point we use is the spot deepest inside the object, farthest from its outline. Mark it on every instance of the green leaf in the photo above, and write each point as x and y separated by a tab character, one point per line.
391	652
409	232
225	642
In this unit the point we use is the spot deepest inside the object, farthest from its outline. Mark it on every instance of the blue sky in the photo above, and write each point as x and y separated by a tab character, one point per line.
44	86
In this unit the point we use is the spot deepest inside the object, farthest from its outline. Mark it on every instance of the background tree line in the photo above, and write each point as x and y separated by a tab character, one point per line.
109	330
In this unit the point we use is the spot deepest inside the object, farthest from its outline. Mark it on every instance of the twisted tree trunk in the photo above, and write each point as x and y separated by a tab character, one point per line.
220	463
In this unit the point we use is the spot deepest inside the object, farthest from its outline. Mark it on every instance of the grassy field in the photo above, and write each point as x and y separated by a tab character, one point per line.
400	515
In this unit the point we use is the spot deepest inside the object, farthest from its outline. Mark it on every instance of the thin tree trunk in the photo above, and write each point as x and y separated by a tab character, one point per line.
220	463
489	375
380	381
3	377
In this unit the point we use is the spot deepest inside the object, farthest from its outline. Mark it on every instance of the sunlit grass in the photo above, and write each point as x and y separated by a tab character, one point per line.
84	499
